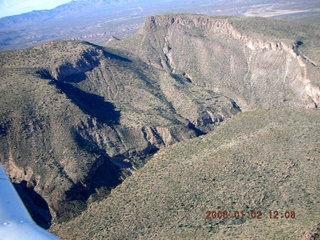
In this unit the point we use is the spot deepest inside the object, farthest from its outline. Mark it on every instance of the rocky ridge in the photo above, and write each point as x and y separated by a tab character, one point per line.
79	119
192	46
76	118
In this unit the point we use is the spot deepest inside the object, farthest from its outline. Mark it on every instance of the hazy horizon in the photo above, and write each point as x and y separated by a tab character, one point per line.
16	7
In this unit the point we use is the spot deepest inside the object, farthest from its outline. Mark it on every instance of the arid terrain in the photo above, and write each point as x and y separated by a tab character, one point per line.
141	137
97	21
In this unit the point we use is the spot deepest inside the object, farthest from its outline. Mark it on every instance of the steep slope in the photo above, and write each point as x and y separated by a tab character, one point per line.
265	161
258	161
260	63
76	119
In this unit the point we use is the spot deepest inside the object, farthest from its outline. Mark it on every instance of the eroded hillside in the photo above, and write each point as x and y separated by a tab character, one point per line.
76	118
257	162
260	63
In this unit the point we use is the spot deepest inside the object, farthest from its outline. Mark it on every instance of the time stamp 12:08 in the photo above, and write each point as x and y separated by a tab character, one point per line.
250	214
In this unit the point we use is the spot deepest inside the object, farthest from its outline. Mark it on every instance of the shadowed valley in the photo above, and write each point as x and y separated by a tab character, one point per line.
189	114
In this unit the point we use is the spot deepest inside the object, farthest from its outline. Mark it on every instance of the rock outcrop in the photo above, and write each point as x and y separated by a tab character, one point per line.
76	119
254	69
83	118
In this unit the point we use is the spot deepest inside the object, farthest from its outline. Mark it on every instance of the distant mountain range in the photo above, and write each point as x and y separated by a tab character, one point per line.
140	138
75	8
98	20
92	20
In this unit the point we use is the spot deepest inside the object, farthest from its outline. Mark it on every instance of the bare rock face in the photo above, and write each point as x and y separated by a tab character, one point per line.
76	119
80	118
255	70
85	62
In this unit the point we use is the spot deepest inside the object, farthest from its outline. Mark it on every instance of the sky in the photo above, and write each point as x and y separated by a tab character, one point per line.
14	7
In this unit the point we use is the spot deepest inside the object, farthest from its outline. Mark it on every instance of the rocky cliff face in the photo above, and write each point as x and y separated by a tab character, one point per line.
76	118
256	70
86	61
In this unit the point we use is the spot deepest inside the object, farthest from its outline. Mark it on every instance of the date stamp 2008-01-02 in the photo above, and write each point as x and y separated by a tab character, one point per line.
253	214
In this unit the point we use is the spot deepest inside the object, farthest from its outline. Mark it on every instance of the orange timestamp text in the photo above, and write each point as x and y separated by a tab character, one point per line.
253	214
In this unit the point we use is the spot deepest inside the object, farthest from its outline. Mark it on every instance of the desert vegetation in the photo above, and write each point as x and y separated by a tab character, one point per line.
141	137
257	161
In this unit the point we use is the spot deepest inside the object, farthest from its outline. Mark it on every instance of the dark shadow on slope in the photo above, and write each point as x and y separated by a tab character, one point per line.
181	79
195	129
116	57
44	74
107	177
75	78
297	44
36	205
235	108
108	54
102	177
98	185
3	129
91	104
105	173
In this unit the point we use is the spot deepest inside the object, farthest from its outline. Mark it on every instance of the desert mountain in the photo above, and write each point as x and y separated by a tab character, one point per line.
264	164
74	116
273	67
97	21
263	161
77	118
